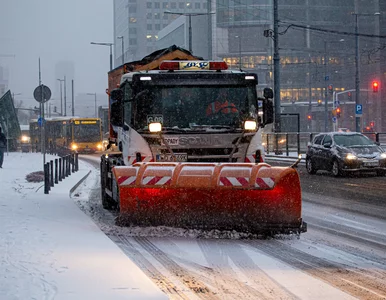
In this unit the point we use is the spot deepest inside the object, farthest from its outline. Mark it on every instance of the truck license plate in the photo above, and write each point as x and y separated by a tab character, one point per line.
169	157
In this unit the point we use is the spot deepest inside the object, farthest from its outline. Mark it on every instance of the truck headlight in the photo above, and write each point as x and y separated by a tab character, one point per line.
74	146
250	125
383	155
99	146
155	127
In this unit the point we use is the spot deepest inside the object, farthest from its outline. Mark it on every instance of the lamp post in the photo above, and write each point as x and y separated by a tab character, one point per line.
123	49
357	78
239	38
61	97
95	100
190	15
111	51
326	85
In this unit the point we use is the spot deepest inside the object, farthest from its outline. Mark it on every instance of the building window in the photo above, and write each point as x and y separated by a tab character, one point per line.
165	17
156	16
132	42
157	5
133	20
165	5
188	5
148	16
157	27
133	30
149	27
173	5
181	5
197	5
205	5
148	4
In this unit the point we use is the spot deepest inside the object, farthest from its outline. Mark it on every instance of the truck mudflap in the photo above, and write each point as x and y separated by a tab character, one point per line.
246	197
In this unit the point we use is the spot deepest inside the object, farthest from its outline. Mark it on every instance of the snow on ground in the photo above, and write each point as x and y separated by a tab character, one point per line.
49	249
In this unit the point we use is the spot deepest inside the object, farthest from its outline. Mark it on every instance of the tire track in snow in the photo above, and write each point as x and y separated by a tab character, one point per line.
355	281
220	259
185	276
147	267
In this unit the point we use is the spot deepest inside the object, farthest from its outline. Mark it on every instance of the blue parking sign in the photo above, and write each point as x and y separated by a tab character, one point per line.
358	109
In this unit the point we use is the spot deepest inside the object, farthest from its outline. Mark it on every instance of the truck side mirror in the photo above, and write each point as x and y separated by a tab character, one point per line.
116	108
267	111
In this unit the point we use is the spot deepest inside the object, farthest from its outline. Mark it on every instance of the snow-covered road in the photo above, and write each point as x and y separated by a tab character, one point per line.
342	256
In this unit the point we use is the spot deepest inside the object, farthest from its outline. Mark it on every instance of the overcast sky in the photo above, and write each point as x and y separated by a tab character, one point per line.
55	30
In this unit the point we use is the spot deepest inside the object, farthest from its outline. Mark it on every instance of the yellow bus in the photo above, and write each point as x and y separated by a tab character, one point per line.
82	135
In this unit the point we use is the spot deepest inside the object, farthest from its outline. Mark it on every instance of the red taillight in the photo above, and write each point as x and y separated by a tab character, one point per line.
169	65
218	65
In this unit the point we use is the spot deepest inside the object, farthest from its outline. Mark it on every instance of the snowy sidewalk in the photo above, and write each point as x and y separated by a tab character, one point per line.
49	249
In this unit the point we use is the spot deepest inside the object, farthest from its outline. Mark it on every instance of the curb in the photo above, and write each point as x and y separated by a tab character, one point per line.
79	182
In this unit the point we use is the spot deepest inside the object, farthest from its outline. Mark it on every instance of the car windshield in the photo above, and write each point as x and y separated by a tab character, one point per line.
345	140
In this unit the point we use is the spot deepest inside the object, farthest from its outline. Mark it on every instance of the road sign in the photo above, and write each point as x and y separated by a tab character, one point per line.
358	110
333	119
41	121
42	93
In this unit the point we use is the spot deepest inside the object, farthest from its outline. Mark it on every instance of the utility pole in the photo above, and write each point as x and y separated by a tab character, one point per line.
72	97
239	38
61	96
65	97
210	45
325	89
276	66
357	81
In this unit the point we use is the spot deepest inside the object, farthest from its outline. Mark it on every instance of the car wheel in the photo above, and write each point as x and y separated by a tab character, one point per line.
381	173
310	167
336	171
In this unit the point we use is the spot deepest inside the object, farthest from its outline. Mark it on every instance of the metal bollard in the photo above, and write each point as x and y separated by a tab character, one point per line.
73	162
46	179
63	163
56	171
76	162
51	173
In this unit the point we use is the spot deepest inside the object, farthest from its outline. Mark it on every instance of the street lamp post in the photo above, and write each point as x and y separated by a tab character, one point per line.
61	97
111	51
239	38
95	101
123	49
190	15
357	78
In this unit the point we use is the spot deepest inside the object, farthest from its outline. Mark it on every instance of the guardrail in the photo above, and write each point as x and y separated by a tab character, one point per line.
55	171
286	143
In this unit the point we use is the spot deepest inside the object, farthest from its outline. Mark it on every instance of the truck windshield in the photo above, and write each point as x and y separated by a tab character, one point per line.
191	107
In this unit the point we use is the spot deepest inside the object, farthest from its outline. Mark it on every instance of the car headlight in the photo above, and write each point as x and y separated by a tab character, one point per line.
351	156
99	146
383	155
74	147
250	125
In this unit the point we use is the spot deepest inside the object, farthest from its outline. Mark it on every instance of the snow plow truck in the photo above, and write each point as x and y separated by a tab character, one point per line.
190	149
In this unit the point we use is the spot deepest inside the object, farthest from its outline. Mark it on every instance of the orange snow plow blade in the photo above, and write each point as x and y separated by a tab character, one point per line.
226	196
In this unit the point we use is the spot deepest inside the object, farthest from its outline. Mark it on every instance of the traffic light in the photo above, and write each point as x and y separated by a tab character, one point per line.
372	124
375	86
349	95
309	117
330	88
338	111
320	102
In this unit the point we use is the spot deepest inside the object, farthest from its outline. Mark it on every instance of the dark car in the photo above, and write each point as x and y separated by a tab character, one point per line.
343	152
